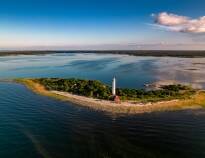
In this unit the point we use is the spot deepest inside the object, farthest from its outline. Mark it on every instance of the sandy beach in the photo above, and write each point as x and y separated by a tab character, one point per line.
100	102
125	107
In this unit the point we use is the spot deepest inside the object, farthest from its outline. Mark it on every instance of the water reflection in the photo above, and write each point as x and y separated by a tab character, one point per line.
131	71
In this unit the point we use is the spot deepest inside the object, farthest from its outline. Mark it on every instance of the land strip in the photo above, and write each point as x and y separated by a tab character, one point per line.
157	53
126	107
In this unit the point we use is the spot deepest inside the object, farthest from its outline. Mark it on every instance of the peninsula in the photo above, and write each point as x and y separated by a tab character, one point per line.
98	96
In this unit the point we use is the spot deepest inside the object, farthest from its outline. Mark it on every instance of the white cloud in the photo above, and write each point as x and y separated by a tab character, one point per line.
179	23
171	19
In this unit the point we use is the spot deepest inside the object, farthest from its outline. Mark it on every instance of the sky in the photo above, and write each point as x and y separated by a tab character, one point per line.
102	24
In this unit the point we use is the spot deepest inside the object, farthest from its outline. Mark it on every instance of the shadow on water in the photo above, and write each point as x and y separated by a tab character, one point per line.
91	64
35	142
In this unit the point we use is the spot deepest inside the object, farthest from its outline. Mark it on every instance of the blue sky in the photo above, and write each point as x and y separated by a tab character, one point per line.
97	24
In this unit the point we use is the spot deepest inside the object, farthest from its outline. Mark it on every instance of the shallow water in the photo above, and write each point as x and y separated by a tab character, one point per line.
36	126
131	71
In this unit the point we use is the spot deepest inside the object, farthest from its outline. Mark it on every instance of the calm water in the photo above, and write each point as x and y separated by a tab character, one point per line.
35	126
131	71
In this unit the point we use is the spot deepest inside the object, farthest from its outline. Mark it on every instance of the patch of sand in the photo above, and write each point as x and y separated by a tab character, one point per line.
125	107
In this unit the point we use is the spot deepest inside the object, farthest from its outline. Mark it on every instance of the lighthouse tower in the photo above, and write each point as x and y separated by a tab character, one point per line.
114	86
116	98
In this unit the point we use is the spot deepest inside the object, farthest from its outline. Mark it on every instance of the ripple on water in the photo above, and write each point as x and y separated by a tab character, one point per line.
37	126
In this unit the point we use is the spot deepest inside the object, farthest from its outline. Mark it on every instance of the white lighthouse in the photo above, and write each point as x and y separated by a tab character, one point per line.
114	86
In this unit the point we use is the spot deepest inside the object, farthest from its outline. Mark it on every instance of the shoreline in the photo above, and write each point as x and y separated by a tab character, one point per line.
126	107
152	53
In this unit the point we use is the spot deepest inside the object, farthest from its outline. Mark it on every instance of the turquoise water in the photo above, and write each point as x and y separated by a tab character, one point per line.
34	126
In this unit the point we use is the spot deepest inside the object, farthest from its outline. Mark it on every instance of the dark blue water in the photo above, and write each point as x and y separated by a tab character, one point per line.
35	126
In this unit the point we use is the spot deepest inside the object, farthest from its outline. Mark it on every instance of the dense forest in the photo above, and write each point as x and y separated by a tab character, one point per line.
96	89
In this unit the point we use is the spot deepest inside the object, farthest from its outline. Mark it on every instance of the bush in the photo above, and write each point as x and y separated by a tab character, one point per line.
96	89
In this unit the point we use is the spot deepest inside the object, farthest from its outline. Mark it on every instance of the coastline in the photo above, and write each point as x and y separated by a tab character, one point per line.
125	107
153	53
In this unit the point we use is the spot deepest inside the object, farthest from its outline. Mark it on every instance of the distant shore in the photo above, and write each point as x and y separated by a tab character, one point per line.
157	53
126	107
